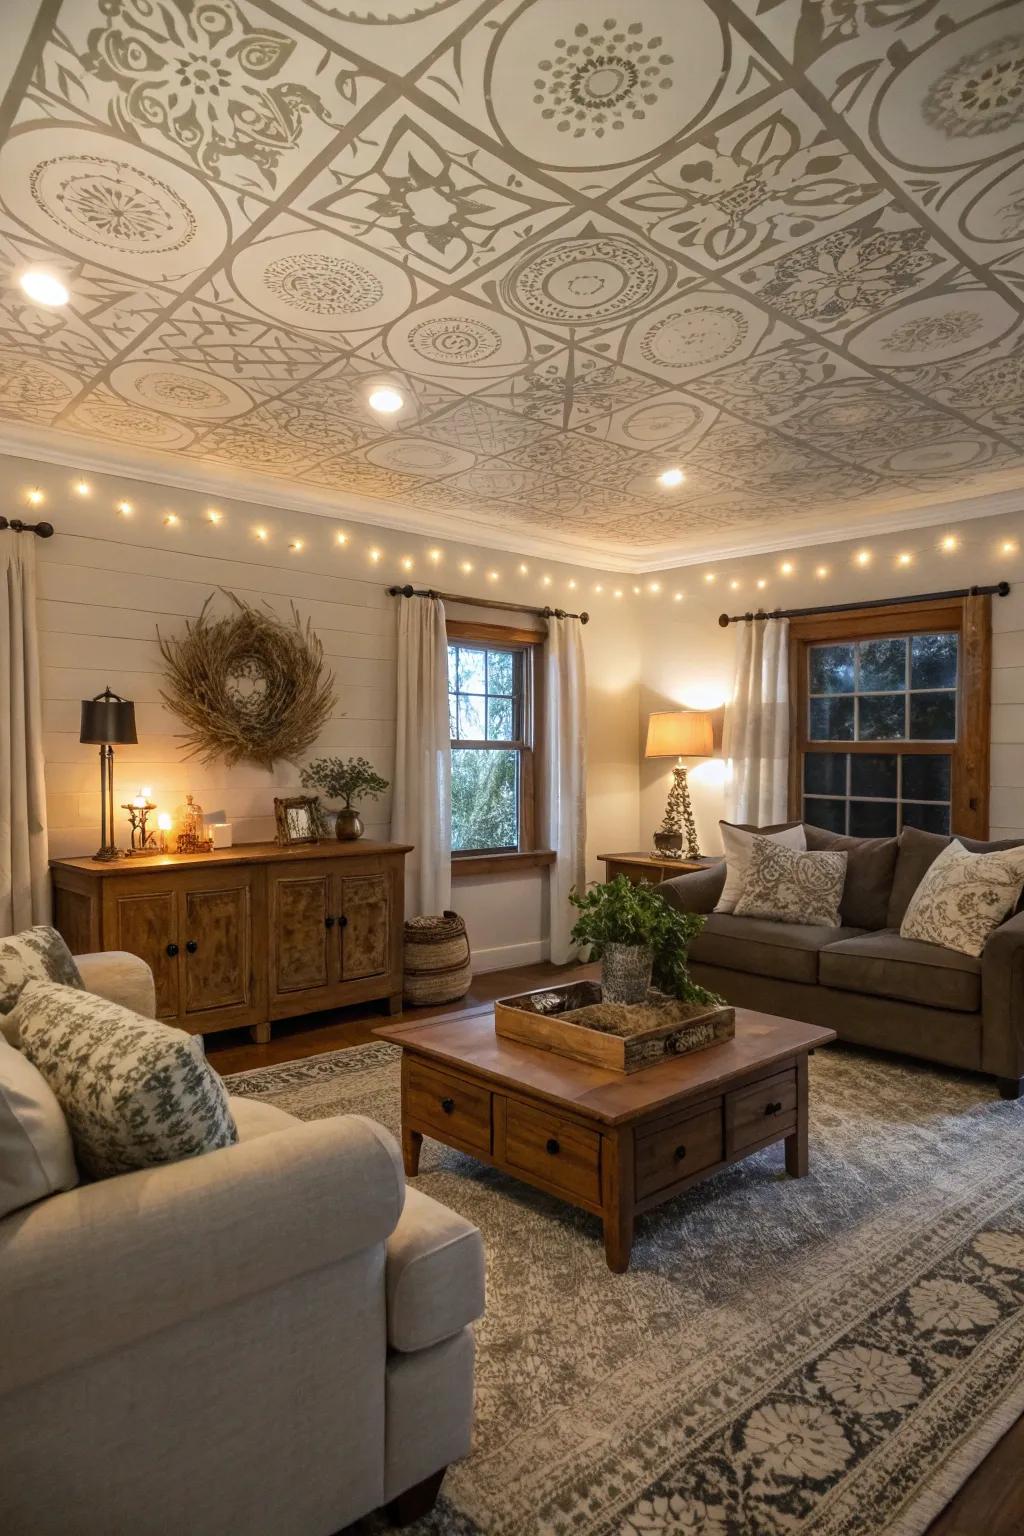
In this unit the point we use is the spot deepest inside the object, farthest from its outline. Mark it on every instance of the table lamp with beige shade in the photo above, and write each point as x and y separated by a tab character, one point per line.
679	733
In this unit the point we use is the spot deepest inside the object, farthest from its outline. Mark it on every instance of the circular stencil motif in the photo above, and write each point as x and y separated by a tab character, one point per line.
997	213
851	413
581	280
132	424
991	385
932	329
420	456
961	99
321	282
180	391
112	202
29	384
686	338
322	285
938	458
453	339
659	422
572	86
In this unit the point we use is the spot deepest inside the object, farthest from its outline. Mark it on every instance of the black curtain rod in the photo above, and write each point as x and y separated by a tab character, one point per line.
1000	589
15	524
488	602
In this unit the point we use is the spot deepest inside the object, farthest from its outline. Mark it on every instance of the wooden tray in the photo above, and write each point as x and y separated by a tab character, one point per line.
572	1021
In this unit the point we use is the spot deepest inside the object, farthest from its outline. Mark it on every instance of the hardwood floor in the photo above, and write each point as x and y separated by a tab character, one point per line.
991	1502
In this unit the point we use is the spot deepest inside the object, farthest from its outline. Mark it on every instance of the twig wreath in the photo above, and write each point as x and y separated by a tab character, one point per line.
249	686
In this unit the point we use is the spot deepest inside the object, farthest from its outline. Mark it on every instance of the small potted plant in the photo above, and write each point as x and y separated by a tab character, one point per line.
639	939
354	779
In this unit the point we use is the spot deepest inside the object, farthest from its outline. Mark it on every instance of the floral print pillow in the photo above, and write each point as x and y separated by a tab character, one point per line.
963	897
36	954
784	885
135	1093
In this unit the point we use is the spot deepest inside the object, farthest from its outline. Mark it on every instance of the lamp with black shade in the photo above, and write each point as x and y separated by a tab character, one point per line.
107	721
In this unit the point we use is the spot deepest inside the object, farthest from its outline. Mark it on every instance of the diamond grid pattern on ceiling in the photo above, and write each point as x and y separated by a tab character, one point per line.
777	242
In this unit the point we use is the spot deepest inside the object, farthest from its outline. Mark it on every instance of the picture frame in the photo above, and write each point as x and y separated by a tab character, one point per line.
299	819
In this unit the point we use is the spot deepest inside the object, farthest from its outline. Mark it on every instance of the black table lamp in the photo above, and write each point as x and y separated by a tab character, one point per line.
109	721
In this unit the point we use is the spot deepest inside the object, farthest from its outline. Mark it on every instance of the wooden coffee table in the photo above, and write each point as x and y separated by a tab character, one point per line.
616	1144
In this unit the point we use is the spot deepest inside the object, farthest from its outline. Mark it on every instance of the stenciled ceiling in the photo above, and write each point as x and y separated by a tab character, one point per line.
779	243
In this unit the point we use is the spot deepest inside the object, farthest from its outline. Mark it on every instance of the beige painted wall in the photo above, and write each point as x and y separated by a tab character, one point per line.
107	581
687	658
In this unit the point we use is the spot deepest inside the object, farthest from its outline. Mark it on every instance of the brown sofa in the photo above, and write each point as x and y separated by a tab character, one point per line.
862	979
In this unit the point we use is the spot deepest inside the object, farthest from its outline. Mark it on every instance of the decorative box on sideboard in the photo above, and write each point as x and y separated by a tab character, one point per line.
250	934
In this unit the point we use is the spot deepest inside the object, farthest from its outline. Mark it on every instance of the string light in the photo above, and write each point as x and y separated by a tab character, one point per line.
341	538
171	519
598	587
545	581
83	488
433	555
761	584
734	586
709	577
295	545
949	543
1008	547
636	591
786	567
572	586
465	566
523	569
677	597
261	534
375	554
214	515
492	575
617	592
35	497
863	557
654	586
125	508
821	571
406	562
904	559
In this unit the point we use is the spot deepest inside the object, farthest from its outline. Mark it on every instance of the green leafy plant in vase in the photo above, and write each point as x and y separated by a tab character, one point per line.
640	941
348	780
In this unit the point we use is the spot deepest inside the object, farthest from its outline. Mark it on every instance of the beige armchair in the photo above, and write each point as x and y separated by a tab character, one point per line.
272	1339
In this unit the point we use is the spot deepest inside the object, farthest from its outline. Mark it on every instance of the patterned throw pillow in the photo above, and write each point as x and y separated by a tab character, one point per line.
963	897
786	886
37	954
134	1092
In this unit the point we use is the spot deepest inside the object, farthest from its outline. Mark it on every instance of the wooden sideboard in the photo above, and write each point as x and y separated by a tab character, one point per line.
246	935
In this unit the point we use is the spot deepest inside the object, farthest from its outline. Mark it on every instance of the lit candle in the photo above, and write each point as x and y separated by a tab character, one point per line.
163	822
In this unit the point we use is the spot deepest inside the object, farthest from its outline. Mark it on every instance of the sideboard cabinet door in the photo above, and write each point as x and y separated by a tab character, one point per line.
221	986
366	934
141	915
302	930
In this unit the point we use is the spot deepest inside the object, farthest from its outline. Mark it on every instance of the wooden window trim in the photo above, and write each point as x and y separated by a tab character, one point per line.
971	619
528	641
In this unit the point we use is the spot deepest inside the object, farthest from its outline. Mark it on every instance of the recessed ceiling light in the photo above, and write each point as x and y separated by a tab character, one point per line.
949	543
670	478
786	567
82	488
44	288
385	400
863	557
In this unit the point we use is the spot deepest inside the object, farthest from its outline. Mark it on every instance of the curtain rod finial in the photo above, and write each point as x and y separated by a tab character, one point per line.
584	618
723	621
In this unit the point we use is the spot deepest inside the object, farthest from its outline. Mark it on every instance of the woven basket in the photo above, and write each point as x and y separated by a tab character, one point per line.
438	963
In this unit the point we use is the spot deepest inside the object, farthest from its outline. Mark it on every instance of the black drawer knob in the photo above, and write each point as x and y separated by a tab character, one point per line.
553	1147
172	950
448	1105
343	921
679	1154
191	946
773	1109
328	922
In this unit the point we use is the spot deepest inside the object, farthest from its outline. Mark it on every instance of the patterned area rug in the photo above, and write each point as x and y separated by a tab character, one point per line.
832	1355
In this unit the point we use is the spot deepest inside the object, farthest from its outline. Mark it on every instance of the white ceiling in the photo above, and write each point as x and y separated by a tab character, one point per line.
779	243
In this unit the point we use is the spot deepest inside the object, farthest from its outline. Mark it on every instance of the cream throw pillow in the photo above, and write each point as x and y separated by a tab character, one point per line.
36	1156
135	1093
35	954
963	897
738	844
787	886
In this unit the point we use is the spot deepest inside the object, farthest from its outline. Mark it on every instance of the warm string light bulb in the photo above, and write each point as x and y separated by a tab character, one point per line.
677	597
434	556
949	543
523	569
545	581
341	538
821	571
375	554
261	534
786	567
654	586
35	497
125	508
171	519
761	584
295	545
406	562
214	515
709	577
598	587
617	592
572	585
863	557
1008	547
465	566
904	559
734	586
82	488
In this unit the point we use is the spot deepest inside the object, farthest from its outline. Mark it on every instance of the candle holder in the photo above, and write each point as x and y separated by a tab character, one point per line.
139	809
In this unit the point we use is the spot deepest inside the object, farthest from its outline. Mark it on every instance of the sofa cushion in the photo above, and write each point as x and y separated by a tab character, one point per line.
964	897
435	1274
786	951
870	867
738	842
884	965
918	852
787	885
36	1156
35	954
254	1118
135	1093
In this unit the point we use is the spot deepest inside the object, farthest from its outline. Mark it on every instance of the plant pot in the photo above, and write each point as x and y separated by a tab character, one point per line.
626	973
348	826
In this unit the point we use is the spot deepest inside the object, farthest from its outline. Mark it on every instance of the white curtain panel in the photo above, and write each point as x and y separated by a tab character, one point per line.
756	736
421	803
564	776
24	871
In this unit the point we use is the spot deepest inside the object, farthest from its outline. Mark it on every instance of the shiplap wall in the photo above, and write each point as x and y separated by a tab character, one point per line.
106	582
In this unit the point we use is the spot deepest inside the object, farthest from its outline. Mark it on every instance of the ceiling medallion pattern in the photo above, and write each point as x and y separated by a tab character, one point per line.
583	244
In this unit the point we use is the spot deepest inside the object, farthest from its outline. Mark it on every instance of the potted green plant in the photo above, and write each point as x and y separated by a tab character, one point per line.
348	780
639	939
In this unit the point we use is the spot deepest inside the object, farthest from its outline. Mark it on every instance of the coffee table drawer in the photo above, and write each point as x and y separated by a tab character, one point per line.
673	1152
457	1110
557	1152
765	1109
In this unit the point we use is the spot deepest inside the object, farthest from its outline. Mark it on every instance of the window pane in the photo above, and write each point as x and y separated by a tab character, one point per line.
471	718
933	716
872	818
873	776
930	818
453	716
831	668
831	719
933	661
485	799
825	773
472	670
500	670
880	716
926	777
499	719
830	814
883	664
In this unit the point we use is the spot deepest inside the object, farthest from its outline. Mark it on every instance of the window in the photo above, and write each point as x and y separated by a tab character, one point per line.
491	704
892	718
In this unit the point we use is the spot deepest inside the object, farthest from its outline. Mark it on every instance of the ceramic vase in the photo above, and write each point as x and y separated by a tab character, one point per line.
349	825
